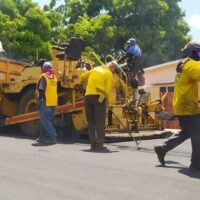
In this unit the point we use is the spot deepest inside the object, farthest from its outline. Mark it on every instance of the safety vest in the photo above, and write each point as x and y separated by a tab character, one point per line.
51	90
185	101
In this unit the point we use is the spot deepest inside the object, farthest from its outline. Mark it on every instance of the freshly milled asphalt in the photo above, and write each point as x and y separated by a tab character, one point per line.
70	172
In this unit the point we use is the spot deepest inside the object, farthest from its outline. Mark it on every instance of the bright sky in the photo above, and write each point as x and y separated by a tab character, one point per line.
191	8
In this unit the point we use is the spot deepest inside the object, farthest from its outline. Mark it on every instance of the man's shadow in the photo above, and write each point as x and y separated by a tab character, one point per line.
182	169
190	172
41	144
99	152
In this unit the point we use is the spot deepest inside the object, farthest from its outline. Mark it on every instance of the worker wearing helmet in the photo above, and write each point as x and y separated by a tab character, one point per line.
99	82
46	92
185	105
133	56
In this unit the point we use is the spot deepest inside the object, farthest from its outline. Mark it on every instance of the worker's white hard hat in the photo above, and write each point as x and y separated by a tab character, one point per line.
47	65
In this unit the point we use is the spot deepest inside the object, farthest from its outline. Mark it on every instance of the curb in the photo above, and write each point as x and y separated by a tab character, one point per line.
143	135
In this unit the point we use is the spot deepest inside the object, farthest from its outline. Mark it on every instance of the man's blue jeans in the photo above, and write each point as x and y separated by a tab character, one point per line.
190	128
47	130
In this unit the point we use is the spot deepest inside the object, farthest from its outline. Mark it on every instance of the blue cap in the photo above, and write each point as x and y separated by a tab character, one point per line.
47	65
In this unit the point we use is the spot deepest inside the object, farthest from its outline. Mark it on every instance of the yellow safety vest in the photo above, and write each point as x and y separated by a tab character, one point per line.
185	100
51	90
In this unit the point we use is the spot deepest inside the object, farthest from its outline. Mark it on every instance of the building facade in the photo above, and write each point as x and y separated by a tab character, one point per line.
160	79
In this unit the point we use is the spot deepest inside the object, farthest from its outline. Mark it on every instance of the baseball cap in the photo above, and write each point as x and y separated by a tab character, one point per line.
131	40
115	64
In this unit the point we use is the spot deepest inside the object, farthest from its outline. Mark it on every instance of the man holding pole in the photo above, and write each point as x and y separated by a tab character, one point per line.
99	82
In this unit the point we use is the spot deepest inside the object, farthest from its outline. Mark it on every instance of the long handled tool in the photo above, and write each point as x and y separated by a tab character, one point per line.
129	131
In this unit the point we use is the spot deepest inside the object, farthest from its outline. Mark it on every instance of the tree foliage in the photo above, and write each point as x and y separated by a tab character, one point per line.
157	25
98	32
24	29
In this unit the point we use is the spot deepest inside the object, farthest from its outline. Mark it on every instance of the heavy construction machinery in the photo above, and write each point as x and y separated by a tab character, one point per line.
17	94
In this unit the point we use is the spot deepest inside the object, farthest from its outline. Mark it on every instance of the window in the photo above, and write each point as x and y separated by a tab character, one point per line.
163	89
170	89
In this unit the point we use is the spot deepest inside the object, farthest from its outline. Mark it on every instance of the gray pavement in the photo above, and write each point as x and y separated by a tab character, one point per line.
69	172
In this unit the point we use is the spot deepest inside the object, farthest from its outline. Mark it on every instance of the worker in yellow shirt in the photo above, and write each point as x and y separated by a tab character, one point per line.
46	93
185	105
97	96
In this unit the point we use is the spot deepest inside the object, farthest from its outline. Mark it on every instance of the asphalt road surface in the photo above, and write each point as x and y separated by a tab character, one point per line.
70	172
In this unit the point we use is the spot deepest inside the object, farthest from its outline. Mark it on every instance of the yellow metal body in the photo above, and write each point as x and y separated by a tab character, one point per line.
7	106
79	120
129	115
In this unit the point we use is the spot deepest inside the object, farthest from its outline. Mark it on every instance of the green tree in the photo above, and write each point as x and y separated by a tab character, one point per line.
98	32
24	29
157	25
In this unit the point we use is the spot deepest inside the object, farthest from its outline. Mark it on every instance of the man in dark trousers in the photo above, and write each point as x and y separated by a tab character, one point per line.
46	92
99	82
185	105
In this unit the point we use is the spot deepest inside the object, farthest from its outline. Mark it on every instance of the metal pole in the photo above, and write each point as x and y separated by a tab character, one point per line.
129	131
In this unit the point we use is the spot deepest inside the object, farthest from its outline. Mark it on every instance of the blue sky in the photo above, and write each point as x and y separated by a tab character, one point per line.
191	8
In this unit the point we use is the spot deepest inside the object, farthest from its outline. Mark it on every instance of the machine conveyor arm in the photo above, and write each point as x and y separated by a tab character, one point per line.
68	108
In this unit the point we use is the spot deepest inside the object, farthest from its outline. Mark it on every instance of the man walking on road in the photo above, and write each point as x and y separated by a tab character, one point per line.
47	100
99	81
185	104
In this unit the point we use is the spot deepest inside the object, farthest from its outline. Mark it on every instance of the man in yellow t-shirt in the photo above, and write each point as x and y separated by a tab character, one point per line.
185	105
99	81
46	92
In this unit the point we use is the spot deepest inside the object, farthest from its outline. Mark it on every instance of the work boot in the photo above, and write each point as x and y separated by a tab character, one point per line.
93	145
160	153
50	142
40	140
101	148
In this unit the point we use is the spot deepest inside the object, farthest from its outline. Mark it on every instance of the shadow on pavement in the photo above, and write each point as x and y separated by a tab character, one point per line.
173	162
70	138
132	148
171	167
182	169
92	151
41	145
189	172
14	132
